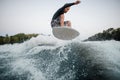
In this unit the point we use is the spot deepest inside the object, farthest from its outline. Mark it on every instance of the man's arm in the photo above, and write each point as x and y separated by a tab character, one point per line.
62	20
70	4
77	2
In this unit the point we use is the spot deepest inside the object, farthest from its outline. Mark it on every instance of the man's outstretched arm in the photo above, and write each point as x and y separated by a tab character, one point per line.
70	4
77	2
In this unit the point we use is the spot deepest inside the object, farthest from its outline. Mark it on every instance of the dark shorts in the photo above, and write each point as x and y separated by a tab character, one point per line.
56	22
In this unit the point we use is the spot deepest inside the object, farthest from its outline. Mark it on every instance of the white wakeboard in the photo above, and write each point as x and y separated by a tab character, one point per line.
65	33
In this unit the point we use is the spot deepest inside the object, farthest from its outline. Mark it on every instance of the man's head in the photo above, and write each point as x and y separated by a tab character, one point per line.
66	9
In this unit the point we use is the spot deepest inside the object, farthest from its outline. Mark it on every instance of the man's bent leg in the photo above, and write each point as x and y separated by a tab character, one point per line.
67	23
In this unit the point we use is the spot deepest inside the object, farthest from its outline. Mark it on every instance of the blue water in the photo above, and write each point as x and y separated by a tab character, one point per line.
46	58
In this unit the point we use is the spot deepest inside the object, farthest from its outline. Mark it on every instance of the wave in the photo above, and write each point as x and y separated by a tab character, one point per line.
47	58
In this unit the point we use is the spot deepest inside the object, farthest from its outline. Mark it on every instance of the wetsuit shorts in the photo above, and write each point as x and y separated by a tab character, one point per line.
56	22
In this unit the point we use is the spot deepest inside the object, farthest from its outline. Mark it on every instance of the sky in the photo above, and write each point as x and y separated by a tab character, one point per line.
34	16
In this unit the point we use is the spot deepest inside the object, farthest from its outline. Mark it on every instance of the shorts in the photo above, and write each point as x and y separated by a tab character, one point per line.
56	22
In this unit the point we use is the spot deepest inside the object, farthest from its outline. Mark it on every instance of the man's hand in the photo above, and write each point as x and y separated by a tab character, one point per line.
77	2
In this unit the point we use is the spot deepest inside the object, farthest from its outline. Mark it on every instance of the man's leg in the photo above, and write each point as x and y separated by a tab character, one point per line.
67	23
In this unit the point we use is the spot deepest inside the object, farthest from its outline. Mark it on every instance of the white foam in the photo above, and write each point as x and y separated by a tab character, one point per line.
27	65
104	51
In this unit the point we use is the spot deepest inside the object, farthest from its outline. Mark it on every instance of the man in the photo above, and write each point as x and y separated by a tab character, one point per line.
58	18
